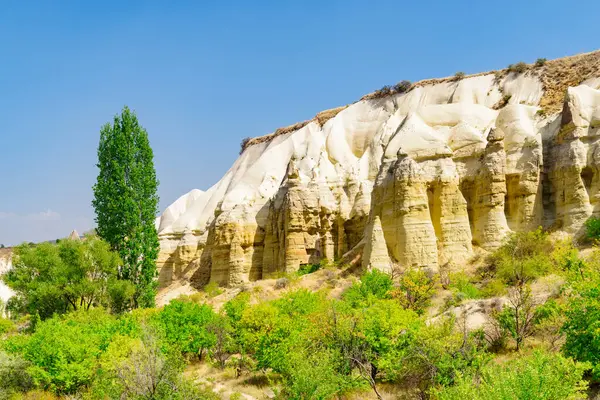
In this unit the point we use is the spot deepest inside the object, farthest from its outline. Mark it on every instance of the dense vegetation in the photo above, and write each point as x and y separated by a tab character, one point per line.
69	336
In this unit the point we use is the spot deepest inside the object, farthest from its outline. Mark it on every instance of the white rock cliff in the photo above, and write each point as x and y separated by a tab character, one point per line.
417	178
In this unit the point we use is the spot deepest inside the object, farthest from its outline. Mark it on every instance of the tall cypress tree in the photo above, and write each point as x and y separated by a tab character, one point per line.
126	202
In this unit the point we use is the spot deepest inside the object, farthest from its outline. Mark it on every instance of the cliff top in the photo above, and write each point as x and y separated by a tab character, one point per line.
555	75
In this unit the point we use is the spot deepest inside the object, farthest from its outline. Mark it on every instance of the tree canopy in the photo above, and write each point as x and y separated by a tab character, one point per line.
126	201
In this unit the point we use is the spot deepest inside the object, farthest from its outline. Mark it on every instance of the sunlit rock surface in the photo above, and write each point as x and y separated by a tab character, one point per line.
415	179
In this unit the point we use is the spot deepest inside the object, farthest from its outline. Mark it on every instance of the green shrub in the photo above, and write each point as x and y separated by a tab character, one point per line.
64	350
459	75
186	325
592	228
306	269
460	283
518	68
244	144
415	290
212	289
14	377
540	376
402	87
582	326
373	285
6	325
524	256
384	91
540	62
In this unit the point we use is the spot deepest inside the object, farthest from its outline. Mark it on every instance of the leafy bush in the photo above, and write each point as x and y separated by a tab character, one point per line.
55	278
306	269
540	376
517	317
186	325
64	350
460	283
212	289
415	290
384	91
373	285
523	257
282	283
6	326
592	228
493	288
315	375
518	68
402	87
582	326
459	75
143	368
14	377
540	62
244	143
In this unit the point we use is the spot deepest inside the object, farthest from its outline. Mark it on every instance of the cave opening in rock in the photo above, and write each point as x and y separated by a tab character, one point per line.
467	189
511	201
435	209
587	176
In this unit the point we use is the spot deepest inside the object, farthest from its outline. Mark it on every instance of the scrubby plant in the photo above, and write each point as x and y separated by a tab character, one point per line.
518	68
14	377
540	376
244	144
186	326
461	283
282	283
373	285
306	269
384	91
540	62
64	350
459	75
523	257
582	326
402	87
68	276
212	289
592	228
415	289
517	317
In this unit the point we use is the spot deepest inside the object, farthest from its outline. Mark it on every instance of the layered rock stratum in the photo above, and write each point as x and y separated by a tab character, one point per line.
417	176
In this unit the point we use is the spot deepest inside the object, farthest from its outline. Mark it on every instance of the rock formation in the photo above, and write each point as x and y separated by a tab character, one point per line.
5	264
408	178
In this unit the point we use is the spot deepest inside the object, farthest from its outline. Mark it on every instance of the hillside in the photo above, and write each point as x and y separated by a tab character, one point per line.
417	175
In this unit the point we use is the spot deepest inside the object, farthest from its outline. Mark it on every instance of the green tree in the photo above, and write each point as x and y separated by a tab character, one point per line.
540	376
56	278
582	326
186	326
144	368
126	202
63	351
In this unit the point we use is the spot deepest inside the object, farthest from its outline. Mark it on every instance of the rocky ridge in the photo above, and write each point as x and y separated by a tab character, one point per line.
413	179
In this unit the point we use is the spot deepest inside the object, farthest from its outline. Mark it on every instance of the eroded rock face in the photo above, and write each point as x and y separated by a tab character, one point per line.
414	179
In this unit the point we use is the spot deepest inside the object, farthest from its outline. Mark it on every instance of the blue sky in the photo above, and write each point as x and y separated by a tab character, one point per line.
202	75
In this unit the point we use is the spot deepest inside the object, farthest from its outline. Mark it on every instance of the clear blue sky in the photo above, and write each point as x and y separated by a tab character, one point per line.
202	75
